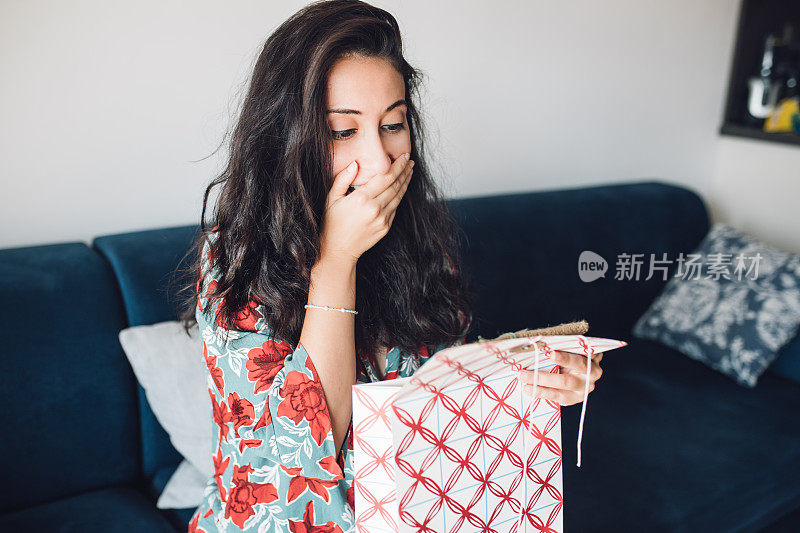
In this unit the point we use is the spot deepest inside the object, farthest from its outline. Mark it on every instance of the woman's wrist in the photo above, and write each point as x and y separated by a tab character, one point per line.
338	258
333	281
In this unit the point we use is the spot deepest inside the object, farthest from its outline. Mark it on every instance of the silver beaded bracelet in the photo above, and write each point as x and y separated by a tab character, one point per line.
331	308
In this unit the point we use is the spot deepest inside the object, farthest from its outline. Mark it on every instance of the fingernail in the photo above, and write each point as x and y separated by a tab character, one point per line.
352	165
407	156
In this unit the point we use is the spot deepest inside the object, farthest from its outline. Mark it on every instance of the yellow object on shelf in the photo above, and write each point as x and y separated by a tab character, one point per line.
780	118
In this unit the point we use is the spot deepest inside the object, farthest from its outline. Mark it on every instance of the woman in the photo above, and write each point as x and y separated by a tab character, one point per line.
332	260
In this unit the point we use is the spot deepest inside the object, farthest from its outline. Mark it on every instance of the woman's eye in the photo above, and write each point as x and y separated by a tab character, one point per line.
341	134
394	127
346	134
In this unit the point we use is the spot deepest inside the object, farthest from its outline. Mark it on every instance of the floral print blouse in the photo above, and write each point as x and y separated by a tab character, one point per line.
275	463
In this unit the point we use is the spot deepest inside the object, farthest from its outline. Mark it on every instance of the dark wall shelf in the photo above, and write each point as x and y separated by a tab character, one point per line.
757	20
755	133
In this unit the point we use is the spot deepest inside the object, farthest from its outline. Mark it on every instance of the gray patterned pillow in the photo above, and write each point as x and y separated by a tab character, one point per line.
734	310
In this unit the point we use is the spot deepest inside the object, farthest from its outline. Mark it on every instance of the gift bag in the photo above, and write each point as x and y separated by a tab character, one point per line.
458	447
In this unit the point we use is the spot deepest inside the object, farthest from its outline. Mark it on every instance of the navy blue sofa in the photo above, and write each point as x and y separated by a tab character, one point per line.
668	444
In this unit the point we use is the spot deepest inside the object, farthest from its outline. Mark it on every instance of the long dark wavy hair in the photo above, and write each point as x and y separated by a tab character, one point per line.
410	290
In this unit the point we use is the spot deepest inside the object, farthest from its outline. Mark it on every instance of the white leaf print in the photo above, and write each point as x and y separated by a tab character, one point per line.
272	521
283	440
289	426
273	446
231	334
209	336
256	518
291	460
241	353
236	365
268	474
307	447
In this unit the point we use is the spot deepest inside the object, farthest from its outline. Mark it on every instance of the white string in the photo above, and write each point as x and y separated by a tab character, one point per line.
524	502
585	397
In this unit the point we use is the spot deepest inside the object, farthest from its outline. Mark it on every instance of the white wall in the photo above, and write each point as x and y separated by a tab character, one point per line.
109	110
756	187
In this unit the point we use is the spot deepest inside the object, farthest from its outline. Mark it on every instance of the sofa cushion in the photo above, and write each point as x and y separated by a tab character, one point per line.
69	396
733	305
673	445
169	365
112	510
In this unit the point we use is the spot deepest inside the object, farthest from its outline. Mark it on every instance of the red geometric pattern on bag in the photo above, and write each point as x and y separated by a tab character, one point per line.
458	432
481	437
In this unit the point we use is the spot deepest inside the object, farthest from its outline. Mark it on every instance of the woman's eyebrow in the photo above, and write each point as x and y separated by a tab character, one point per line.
357	112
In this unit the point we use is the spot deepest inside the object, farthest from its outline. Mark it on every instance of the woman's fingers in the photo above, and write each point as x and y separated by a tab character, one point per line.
556	380
567	386
378	185
391	196
576	364
561	397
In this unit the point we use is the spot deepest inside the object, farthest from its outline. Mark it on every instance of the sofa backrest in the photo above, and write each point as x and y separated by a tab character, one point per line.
145	264
523	250
69	414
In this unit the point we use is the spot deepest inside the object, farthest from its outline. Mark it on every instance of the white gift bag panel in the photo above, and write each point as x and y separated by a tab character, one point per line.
373	459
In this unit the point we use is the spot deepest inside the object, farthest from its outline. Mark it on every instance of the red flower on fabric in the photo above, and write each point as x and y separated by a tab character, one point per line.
303	399
193	525
214	370
211	286
329	464
221	415
249	443
308	526
242	412
351	497
299	484
245	494
266	417
244	320
265	362
423	352
219	469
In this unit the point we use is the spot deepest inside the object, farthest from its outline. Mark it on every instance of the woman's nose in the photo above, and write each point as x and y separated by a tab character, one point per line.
375	158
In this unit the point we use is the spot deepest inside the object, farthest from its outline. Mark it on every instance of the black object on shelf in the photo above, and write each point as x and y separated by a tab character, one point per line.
765	69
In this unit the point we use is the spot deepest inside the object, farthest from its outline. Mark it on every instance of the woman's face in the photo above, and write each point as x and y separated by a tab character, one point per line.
367	116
